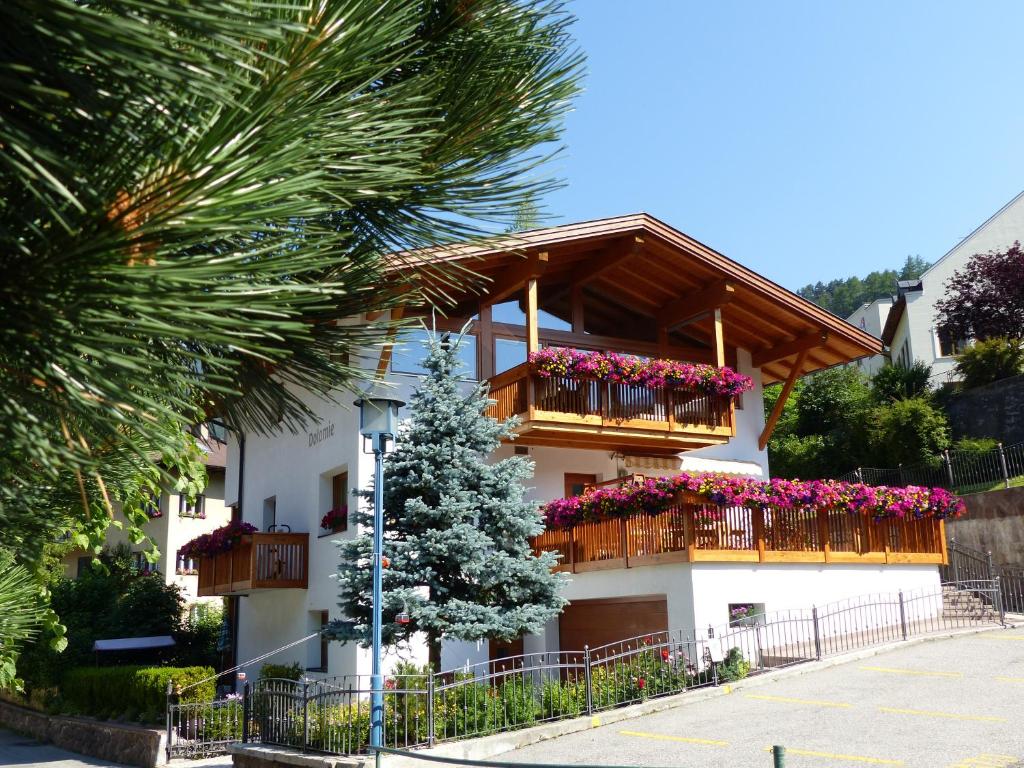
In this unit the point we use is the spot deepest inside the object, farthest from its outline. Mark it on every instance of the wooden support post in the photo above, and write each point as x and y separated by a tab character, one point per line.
758	515
826	545
719	339
485	344
884	528
773	419
388	348
689	530
532	333
576	304
942	542
572	549
623	542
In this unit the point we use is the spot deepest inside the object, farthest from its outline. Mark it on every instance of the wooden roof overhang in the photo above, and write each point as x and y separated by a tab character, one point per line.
636	274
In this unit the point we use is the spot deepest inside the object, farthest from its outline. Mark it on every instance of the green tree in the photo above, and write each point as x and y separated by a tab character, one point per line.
990	360
843	296
457	527
896	382
907	431
195	193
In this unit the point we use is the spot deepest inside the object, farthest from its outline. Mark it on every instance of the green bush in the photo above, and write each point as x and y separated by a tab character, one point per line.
989	361
733	666
975	445
131	693
281	671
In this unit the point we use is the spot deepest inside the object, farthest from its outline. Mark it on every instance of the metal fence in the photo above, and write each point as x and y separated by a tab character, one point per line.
961	471
203	729
968	565
333	715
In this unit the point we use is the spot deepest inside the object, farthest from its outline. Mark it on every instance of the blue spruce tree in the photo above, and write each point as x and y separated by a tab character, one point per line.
456	527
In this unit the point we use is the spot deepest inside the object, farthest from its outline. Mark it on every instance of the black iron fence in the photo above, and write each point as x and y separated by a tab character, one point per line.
968	565
333	715
960	471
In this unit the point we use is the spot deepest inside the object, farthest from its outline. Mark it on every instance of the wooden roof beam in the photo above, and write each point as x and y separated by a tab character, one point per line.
800	344
514	278
695	304
773	419
610	258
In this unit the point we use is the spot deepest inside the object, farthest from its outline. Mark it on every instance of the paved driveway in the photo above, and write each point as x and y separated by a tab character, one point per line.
18	750
955	703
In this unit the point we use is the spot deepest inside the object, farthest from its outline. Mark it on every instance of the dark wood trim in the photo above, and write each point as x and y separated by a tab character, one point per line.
803	343
696	304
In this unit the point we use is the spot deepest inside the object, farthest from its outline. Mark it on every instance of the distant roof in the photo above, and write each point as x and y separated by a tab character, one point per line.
893	320
133	643
215	453
641	264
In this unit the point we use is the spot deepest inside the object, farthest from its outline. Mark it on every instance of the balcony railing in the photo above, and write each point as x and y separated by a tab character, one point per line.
566	410
692	532
259	561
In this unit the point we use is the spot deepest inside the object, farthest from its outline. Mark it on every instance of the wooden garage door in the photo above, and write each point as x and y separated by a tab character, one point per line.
598	622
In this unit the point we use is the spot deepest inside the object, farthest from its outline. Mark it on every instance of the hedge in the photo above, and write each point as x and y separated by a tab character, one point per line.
131	693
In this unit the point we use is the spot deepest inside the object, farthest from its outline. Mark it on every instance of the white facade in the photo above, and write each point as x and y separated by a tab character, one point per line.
913	335
295	471
871	317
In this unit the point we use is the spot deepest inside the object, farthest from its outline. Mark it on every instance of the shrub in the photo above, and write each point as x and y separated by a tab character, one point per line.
907	432
733	666
989	361
896	382
281	671
131	692
975	445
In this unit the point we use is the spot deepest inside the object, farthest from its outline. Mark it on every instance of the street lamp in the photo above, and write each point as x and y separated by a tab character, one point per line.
378	421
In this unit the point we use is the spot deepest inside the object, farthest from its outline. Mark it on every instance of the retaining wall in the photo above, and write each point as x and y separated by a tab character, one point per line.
994	410
118	743
994	521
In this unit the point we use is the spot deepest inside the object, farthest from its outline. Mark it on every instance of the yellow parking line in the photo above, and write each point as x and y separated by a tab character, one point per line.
809	702
919	672
1010	679
1011	638
986	761
834	756
948	715
666	737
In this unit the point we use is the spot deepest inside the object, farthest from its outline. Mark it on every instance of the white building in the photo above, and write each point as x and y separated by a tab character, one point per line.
630	284
173	522
871	317
909	329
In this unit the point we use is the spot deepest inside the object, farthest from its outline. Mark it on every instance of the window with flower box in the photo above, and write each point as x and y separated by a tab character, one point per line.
336	518
195	509
746	614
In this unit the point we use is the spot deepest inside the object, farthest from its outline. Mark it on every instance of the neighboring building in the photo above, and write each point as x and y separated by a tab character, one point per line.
174	522
871	317
909	331
629	284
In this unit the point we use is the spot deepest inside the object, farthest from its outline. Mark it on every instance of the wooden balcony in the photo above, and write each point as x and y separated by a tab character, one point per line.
581	413
260	561
687	533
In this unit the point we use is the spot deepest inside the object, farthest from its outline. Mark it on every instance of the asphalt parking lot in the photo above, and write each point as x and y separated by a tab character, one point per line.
951	703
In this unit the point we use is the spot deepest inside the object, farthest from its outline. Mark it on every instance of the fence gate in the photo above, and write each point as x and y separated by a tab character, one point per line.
203	729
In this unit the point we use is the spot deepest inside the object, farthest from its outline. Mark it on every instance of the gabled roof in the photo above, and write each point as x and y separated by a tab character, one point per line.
635	265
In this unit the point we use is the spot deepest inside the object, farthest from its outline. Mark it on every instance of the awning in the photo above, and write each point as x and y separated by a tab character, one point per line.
133	643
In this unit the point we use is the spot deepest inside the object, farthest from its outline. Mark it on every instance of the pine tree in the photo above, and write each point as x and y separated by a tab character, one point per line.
456	526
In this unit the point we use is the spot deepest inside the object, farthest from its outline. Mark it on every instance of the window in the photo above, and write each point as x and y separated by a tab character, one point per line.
192	509
411	347
84	564
336	519
508	312
317	659
508	353
269	513
949	346
903	358
576	483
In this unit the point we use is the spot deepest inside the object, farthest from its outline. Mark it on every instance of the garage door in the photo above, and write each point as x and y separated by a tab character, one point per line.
599	622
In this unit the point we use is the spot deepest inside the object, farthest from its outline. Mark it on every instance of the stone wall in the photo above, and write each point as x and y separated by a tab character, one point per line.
995	410
994	521
118	743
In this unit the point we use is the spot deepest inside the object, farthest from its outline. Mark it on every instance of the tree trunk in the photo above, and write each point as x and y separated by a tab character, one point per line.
434	652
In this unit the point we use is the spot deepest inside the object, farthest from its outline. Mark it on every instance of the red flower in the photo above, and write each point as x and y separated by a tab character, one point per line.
390	683
664	654
640	683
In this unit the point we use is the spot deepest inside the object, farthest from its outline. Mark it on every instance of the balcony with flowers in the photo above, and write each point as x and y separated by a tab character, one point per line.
237	559
721	518
574	398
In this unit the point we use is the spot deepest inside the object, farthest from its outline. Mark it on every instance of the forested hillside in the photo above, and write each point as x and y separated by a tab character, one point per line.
841	297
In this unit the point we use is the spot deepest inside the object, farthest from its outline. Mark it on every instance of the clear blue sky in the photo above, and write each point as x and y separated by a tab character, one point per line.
807	140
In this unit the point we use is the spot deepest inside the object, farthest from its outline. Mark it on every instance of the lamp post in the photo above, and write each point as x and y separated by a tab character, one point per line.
378	417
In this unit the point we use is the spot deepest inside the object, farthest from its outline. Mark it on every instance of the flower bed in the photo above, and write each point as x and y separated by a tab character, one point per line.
656	494
222	539
627	369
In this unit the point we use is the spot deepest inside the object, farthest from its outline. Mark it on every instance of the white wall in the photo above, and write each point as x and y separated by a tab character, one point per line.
786	586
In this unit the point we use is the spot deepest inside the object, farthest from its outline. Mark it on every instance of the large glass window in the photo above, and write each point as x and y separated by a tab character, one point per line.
411	348
508	353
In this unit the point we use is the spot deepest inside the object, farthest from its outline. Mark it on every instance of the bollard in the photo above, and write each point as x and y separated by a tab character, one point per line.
778	756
